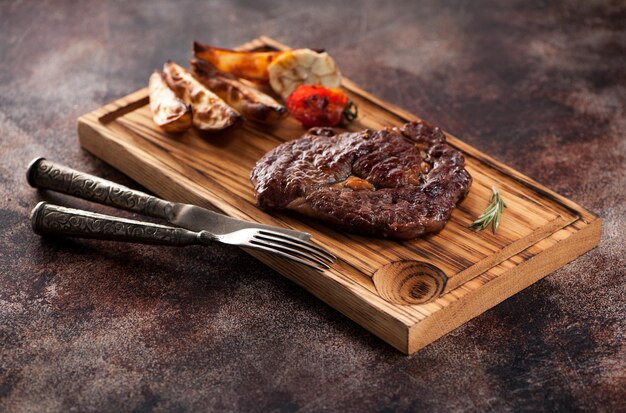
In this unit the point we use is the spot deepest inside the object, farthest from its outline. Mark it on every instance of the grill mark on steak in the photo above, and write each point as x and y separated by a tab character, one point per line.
397	182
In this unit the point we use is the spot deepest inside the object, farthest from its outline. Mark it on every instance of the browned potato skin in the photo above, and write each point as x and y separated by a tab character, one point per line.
246	65
250	102
168	111
210	113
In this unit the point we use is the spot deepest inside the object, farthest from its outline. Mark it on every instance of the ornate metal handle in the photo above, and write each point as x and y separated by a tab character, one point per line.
49	175
50	219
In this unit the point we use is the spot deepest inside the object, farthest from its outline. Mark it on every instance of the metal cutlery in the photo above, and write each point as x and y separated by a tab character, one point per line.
45	174
194	225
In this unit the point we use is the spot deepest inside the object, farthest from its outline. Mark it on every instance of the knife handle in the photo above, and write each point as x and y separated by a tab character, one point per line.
45	174
48	219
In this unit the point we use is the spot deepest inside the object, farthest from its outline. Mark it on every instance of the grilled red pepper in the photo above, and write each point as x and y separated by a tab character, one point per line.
315	105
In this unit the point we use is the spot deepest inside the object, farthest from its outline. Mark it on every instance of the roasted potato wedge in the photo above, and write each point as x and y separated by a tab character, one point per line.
168	111
249	101
247	65
210	113
284	70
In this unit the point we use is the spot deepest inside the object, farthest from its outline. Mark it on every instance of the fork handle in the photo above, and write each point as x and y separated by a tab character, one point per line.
48	219
50	175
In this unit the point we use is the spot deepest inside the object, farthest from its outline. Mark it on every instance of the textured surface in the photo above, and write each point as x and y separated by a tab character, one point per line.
116	327
398	183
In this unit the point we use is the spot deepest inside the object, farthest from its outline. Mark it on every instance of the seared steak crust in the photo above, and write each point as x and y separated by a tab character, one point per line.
397	182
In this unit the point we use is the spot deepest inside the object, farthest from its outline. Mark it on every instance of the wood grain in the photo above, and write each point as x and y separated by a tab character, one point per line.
212	170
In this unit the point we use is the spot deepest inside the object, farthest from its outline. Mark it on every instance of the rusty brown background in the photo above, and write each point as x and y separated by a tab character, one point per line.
90	326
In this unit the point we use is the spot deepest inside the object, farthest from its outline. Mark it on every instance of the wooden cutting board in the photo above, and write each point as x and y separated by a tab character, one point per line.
376	282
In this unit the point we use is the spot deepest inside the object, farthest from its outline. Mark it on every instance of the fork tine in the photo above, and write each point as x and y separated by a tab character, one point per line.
303	249
319	251
292	251
262	247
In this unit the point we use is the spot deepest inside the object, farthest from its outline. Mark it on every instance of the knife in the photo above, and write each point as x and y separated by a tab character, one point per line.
45	174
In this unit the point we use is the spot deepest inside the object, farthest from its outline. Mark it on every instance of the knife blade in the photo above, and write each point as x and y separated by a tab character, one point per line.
195	218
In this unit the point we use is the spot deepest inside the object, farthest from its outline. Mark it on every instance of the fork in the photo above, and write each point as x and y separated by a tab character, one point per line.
48	219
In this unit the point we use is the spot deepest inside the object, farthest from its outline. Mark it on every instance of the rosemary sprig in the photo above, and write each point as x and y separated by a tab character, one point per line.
492	213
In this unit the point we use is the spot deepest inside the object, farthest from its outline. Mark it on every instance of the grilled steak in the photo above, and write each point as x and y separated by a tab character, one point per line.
397	182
